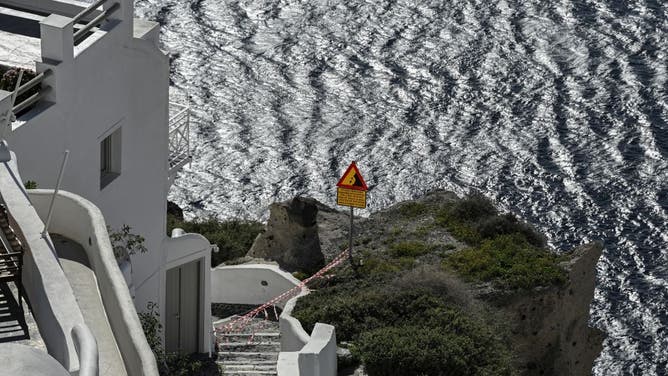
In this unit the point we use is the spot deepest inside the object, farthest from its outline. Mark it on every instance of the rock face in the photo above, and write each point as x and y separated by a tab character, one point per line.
291	236
549	332
549	327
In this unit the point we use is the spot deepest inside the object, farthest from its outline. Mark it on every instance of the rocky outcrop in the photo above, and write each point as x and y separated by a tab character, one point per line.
291	237
549	327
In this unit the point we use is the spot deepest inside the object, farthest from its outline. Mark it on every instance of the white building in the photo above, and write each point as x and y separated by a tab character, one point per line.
102	93
104	96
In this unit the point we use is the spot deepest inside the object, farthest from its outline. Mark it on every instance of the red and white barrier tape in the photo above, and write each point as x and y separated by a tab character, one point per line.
238	324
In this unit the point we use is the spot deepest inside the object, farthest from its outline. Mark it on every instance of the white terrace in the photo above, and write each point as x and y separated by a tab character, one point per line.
40	32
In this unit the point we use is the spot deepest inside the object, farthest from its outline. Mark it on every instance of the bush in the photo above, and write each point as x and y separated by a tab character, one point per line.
377	268
8	78
233	238
509	261
474	220
353	310
412	209
414	350
507	224
472	208
409	249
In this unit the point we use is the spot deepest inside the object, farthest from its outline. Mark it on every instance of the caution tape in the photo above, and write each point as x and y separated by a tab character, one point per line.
239	324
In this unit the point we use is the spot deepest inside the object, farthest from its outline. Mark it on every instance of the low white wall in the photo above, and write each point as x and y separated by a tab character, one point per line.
293	335
51	298
81	221
305	355
243	284
318	357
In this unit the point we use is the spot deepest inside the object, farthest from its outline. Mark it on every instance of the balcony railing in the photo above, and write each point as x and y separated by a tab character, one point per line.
22	104
82	33
179	137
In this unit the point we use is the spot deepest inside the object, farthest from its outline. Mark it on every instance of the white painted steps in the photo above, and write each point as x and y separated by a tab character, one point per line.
239	357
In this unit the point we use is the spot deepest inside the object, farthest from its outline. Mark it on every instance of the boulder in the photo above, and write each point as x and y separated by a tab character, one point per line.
291	236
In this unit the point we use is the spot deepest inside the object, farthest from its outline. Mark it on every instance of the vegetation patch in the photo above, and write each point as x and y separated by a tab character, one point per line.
9	76
416	350
378	267
412	209
233	238
399	331
409	249
509	261
475	219
408	309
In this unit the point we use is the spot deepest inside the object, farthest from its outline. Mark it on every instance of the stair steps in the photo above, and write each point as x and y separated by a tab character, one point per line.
239	357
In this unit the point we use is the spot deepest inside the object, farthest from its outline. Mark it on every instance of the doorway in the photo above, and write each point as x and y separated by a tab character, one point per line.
182	308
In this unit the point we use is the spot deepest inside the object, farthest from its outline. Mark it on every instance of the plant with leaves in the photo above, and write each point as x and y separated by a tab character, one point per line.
125	243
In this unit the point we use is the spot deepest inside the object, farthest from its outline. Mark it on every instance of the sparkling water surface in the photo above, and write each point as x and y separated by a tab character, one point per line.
557	110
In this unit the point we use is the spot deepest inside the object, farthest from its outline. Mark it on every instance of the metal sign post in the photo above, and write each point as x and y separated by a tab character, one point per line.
350	242
351	191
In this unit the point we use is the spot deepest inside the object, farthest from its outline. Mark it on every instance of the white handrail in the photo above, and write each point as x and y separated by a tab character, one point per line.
86	346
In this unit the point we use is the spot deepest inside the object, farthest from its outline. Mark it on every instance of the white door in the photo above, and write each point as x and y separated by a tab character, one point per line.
182	308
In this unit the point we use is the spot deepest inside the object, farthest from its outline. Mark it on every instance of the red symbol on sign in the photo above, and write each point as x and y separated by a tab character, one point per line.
352	179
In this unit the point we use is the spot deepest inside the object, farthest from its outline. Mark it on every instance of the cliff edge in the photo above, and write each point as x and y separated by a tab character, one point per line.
543	310
549	327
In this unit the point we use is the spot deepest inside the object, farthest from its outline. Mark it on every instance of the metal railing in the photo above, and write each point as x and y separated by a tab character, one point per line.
82	33
179	137
36	97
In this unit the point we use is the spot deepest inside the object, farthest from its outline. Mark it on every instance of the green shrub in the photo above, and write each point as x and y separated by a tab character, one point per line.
409	249
400	331
415	350
472	208
507	224
412	209
353	310
376	267
474	220
233	238
300	275
124	243
30	185
508	261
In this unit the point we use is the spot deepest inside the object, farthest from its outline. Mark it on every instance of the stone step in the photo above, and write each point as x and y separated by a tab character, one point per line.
262	346
249	357
248	373
238	367
245	337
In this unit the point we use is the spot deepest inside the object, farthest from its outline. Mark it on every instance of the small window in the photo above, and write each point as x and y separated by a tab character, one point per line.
110	158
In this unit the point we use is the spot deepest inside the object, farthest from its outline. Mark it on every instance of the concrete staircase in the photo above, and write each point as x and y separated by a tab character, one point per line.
238	357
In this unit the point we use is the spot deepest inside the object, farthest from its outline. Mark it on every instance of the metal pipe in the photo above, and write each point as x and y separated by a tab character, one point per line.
88	10
81	33
55	193
31	100
30	84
